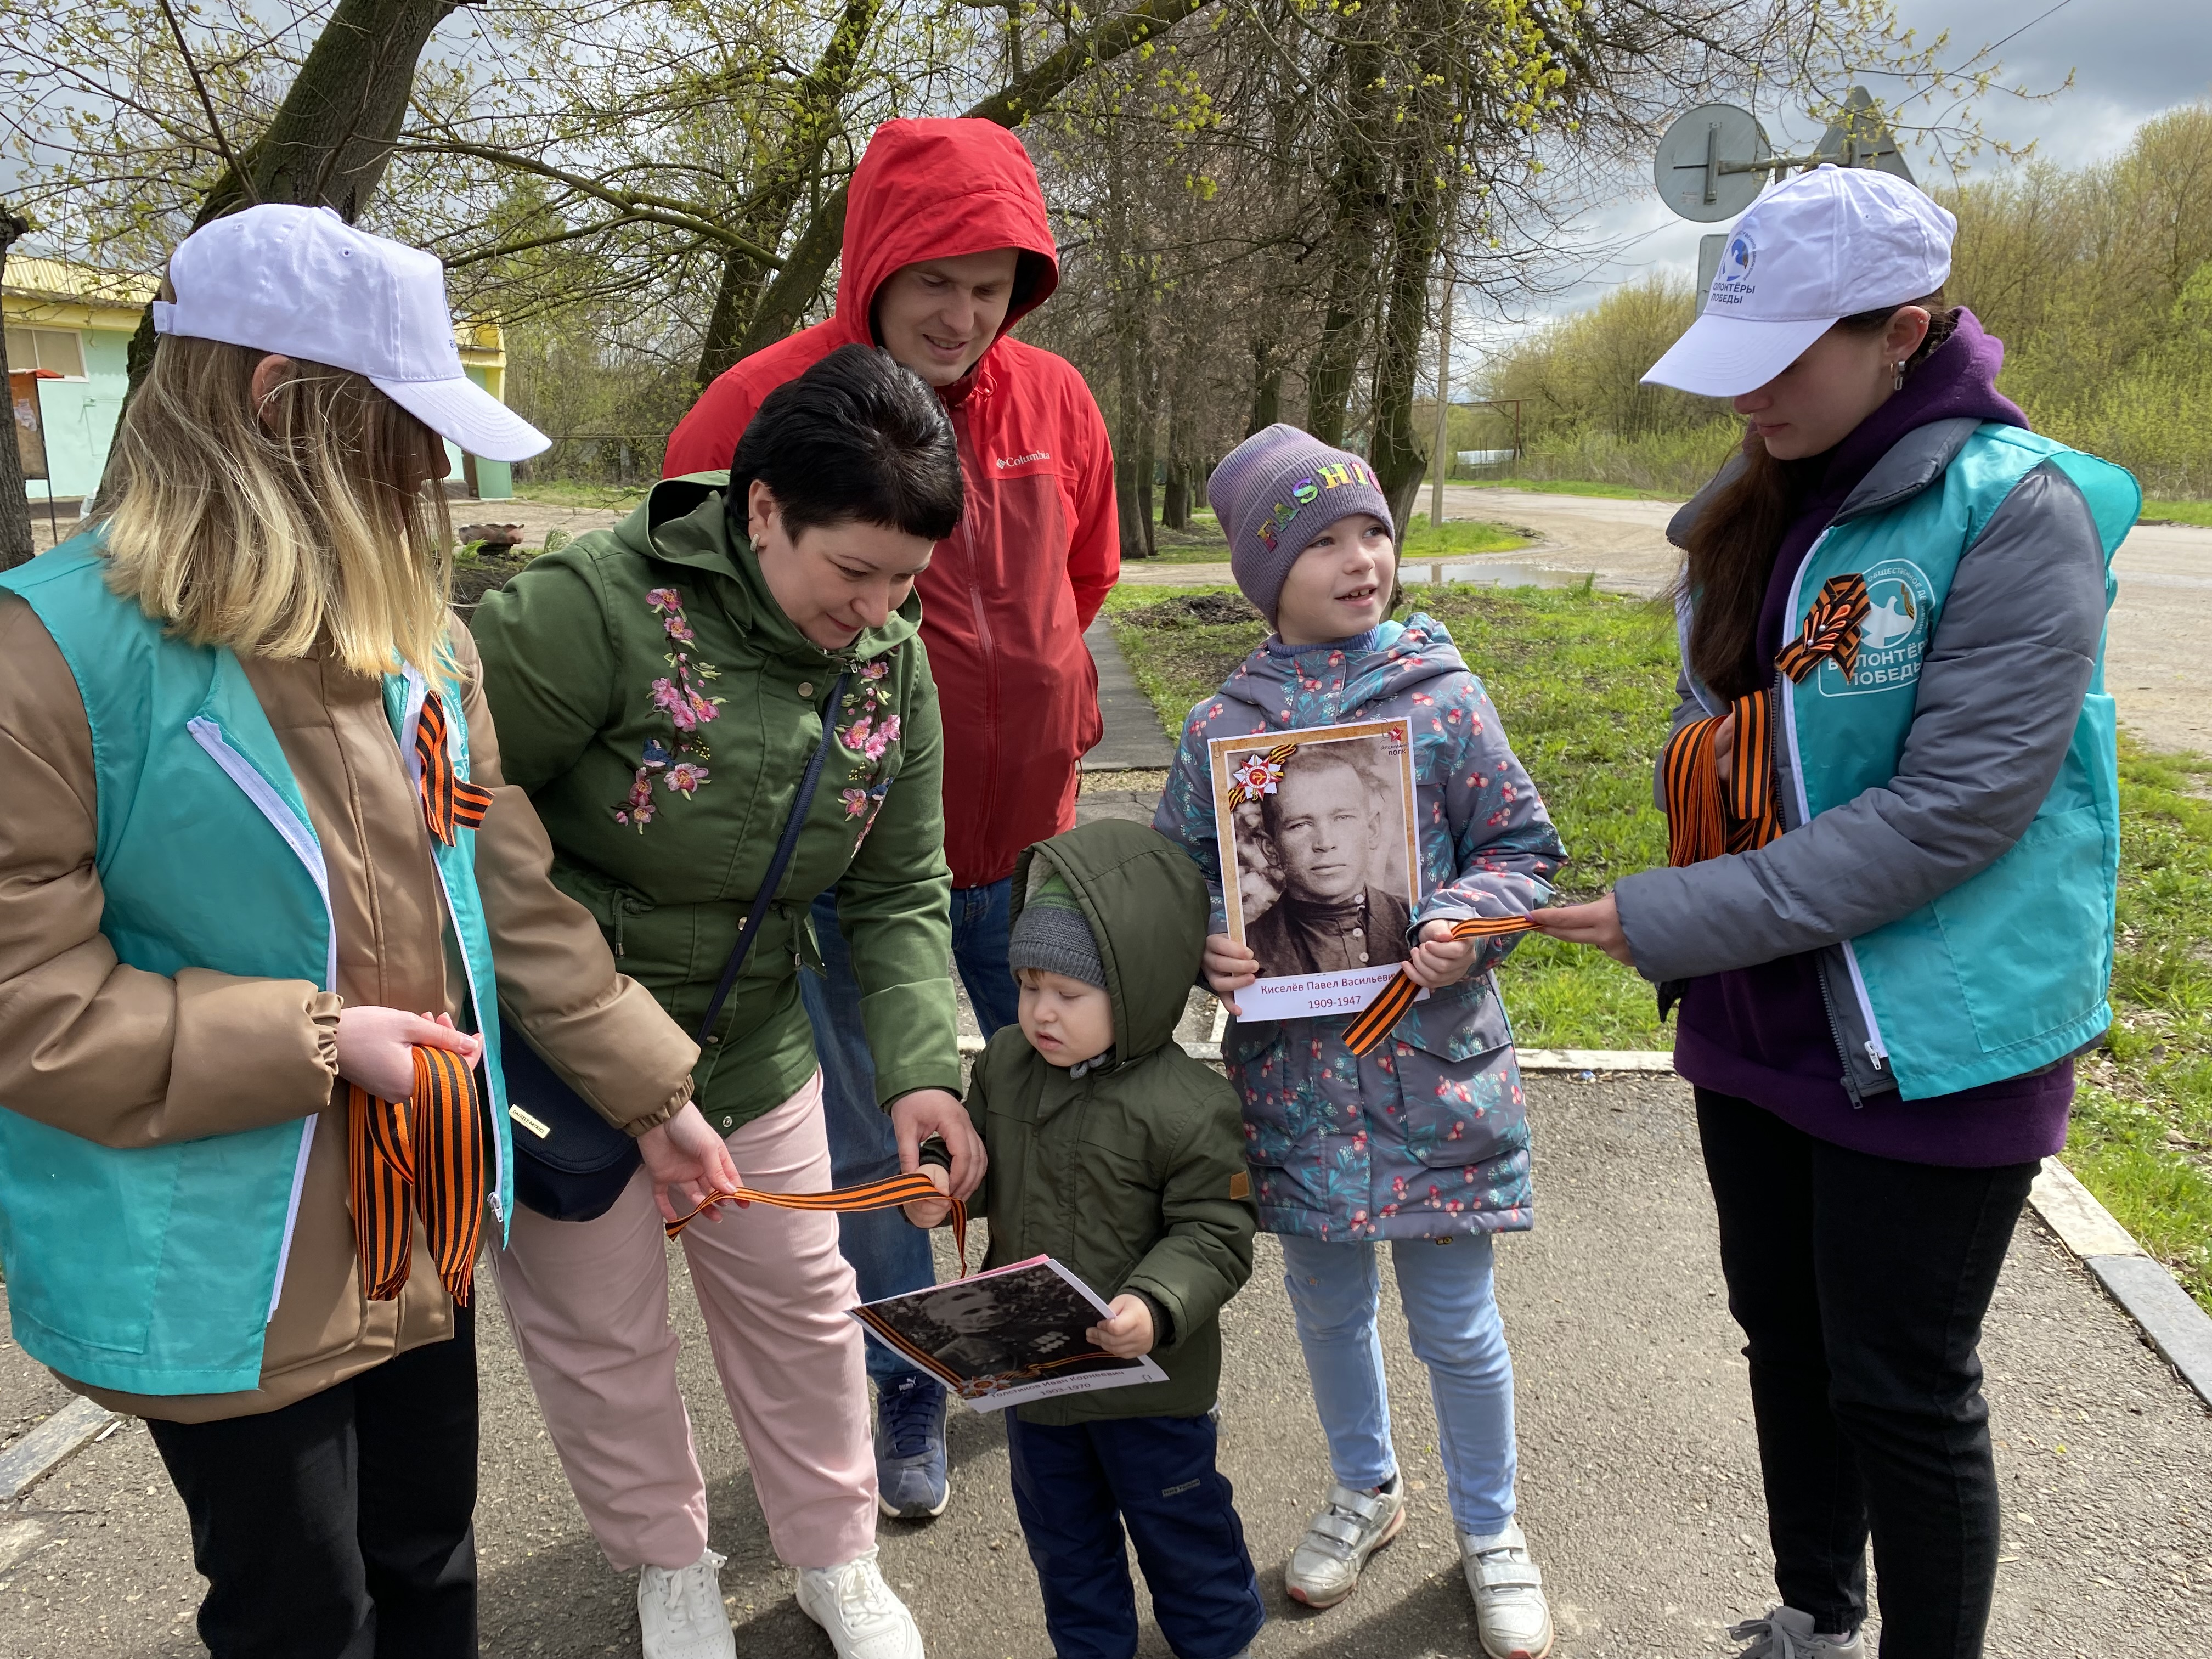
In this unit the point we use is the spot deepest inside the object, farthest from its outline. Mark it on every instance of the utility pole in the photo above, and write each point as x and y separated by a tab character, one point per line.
1440	457
16	544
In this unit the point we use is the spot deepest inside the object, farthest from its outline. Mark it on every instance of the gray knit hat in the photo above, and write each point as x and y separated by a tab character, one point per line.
1275	493
1052	935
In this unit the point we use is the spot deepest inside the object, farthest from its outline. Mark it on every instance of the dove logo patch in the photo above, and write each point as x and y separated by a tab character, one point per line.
1893	638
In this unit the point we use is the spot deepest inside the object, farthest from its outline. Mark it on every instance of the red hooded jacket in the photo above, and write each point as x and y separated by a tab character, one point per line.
1005	600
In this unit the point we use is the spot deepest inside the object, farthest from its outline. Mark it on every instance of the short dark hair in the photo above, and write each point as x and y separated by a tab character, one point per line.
858	438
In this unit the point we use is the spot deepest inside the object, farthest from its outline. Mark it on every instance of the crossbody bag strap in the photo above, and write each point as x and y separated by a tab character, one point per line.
777	864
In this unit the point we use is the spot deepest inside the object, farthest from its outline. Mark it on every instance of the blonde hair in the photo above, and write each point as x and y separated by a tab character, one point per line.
305	518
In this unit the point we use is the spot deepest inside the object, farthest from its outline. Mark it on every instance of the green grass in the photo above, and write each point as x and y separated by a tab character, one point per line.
1584	682
2141	1138
2196	512
562	492
1568	487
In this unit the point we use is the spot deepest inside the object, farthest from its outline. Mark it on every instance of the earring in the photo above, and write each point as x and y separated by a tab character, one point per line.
1897	381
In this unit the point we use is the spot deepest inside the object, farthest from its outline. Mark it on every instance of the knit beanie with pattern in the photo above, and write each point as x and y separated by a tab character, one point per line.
1052	935
1275	493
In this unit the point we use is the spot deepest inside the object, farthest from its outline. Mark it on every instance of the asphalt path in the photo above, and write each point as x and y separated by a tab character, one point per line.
1639	1478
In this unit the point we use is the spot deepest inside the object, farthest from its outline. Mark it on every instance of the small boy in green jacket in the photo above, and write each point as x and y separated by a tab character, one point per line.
1122	1157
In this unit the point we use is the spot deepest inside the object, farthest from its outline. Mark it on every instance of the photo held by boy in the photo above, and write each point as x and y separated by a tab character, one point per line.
1422	1140
1118	1155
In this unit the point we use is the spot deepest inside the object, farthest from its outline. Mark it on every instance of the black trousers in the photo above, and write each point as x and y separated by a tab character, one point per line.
338	1527
1861	1283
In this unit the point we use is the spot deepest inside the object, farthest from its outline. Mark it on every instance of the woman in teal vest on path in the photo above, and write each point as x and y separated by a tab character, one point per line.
1894	832
256	860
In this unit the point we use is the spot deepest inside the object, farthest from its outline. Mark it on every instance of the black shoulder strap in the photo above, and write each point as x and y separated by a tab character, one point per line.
777	864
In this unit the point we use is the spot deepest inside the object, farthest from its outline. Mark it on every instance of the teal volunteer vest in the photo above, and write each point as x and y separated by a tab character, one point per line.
2008	971
156	1270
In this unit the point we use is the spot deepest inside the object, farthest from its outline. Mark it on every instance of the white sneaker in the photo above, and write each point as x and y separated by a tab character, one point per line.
679	1612
1351	1526
1510	1613
1786	1633
865	1620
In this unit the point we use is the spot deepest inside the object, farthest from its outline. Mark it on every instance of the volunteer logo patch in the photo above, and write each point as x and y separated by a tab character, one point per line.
1892	638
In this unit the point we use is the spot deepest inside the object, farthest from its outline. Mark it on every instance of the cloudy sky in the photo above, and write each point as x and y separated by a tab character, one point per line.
2129	60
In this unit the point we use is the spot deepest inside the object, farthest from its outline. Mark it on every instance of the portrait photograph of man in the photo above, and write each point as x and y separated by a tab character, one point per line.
1323	852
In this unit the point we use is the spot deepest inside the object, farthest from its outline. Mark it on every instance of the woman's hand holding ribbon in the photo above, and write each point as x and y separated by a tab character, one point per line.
1596	924
376	1047
687	1162
927	1112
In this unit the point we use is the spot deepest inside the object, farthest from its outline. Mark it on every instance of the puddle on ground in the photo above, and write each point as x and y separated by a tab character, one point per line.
1489	573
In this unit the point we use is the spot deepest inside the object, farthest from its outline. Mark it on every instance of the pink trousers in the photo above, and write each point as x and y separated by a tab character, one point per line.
588	1303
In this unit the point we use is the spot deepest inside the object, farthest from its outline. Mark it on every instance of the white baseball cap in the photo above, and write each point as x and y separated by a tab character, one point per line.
1827	245
303	282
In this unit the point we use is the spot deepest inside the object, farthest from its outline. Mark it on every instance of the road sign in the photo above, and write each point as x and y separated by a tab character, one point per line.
1861	138
1715	158
1711	163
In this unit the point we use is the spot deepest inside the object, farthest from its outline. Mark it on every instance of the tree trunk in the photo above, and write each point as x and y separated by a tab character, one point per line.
331	139
818	103
1266	387
798	281
1359	210
1416	221
15	543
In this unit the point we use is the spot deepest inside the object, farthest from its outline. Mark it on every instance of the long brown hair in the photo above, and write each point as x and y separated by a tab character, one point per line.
309	519
1733	544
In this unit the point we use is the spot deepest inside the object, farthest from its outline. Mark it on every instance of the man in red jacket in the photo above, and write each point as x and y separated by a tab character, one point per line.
947	247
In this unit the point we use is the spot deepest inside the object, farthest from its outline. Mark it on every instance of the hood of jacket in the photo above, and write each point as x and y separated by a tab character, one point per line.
1146	905
682	522
942	190
1277	682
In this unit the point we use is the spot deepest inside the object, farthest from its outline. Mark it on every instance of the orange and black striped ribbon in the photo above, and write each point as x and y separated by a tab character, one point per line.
1374	1021
1705	819
888	1194
450	803
426	1153
1832	629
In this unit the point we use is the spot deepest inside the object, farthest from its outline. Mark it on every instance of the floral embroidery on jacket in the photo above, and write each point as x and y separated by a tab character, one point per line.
869	731
681	767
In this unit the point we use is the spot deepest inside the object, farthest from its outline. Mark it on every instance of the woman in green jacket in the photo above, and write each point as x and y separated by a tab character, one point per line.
658	688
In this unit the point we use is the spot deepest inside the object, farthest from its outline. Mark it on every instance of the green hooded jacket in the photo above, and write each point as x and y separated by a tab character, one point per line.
660	707
1132	1177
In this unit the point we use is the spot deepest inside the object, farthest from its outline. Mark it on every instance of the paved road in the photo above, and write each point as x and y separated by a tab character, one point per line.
1638	1474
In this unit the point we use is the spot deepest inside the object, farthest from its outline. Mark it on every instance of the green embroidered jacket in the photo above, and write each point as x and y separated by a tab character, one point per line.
659	708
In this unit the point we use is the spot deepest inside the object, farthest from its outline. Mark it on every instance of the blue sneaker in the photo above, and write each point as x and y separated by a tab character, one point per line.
910	1478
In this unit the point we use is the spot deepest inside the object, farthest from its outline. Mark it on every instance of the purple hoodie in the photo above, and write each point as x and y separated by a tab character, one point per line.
1762	1034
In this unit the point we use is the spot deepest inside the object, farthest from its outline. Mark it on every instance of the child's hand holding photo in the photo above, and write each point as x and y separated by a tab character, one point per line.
1127	1333
1230	966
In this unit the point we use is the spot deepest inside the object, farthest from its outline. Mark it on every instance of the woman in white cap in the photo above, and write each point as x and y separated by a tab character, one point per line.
256	861
1893	835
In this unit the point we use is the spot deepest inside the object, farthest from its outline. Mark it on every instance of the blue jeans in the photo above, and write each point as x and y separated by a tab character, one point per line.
1076	1487
1444	1286
889	1255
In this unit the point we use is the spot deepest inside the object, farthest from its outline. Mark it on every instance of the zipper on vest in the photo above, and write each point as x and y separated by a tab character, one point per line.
418	693
1877	1051
301	839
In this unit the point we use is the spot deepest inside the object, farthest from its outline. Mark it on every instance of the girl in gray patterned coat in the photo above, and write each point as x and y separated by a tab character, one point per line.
1424	1141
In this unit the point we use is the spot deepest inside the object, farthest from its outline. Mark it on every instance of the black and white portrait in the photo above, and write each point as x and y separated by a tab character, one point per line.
1013	1330
1323	848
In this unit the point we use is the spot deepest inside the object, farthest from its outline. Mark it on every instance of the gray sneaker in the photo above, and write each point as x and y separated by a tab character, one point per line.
1786	1633
1511	1614
1351	1526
